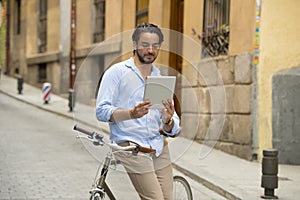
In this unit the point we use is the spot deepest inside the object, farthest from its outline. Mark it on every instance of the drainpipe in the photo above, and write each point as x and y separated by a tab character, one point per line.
255	62
72	56
7	44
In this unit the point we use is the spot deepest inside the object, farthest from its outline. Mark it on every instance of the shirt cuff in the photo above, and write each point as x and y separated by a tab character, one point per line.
174	131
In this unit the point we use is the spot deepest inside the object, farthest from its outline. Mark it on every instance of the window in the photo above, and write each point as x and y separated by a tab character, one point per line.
142	7
99	29
42	26
215	37
18	16
42	72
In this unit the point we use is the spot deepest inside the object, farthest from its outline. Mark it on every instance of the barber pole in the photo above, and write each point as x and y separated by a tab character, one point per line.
46	92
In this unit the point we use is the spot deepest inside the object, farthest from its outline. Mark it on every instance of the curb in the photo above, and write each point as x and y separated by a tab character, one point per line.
206	183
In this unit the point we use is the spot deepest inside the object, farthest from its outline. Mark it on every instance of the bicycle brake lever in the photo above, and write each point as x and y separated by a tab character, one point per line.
97	136
93	140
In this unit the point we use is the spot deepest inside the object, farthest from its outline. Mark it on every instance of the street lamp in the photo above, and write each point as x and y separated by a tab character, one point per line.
72	56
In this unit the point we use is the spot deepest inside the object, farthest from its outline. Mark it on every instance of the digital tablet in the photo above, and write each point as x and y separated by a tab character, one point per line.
159	88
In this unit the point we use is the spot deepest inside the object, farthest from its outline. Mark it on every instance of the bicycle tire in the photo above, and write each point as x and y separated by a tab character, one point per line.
181	189
98	197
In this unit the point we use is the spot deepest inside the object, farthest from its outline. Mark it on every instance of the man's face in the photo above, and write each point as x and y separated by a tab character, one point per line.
147	47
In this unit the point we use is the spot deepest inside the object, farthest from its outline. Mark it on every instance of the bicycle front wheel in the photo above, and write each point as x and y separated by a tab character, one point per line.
181	189
98	197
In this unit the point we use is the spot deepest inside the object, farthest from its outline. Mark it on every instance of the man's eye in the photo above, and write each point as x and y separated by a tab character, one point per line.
145	45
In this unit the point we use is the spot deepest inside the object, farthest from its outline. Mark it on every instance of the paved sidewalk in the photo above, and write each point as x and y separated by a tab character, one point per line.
232	177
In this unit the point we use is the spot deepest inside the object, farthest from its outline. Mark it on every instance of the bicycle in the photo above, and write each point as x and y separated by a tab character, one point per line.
100	190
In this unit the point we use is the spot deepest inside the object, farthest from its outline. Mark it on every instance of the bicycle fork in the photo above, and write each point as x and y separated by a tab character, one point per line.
101	186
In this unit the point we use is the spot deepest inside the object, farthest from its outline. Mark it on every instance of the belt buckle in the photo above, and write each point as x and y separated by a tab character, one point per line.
136	150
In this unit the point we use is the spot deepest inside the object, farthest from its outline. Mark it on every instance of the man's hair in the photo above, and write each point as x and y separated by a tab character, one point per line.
147	28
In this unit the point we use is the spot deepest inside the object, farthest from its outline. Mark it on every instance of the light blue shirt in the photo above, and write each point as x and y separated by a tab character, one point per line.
122	87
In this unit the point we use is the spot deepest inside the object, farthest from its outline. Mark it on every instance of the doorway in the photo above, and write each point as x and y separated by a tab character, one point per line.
175	57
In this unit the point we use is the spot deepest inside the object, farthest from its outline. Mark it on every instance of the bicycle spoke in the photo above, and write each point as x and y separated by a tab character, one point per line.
181	189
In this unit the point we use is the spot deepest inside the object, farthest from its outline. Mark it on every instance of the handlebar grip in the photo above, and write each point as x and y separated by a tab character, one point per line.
76	128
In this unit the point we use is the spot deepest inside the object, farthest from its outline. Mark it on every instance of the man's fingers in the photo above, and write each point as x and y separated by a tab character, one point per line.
145	104
169	106
141	108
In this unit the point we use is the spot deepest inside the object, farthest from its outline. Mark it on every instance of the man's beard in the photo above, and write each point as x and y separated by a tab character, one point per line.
143	61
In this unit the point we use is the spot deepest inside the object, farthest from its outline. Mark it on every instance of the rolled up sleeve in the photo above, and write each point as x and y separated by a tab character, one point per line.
104	104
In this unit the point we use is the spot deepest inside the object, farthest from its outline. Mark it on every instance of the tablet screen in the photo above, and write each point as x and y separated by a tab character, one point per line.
159	88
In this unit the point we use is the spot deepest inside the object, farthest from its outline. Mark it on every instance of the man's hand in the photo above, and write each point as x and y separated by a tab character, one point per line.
168	111
140	109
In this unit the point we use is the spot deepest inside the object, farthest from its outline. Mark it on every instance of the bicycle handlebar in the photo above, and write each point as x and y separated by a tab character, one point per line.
97	139
89	133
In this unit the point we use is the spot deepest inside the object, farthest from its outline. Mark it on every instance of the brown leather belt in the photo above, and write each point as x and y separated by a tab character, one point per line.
138	147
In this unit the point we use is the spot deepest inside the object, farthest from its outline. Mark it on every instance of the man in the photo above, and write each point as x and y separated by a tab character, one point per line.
120	102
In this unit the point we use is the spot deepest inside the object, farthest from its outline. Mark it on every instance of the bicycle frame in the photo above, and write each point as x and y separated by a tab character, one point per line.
101	186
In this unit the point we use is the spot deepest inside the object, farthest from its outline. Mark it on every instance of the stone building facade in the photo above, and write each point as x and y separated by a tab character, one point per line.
224	104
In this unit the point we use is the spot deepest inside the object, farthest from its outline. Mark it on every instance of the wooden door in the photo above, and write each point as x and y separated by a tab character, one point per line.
175	58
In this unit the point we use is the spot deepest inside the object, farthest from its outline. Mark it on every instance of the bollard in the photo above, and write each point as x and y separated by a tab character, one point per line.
269	179
46	92
71	100
20	84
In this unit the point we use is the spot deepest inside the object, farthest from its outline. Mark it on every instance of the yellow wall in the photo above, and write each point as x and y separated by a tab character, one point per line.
159	14
128	23
128	15
156	12
279	50
242	26
31	35
83	23
113	24
192	19
53	24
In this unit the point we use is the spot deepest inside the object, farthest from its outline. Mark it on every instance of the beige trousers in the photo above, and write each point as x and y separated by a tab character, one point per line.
151	176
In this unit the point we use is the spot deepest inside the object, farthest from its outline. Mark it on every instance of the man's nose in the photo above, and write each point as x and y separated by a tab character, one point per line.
150	49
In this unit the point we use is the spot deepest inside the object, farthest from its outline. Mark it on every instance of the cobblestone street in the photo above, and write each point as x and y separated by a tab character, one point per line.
42	159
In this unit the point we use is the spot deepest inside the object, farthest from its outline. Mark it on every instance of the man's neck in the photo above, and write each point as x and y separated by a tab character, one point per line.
145	69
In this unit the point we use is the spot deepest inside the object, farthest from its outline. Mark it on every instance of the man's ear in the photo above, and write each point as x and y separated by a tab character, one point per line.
134	45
